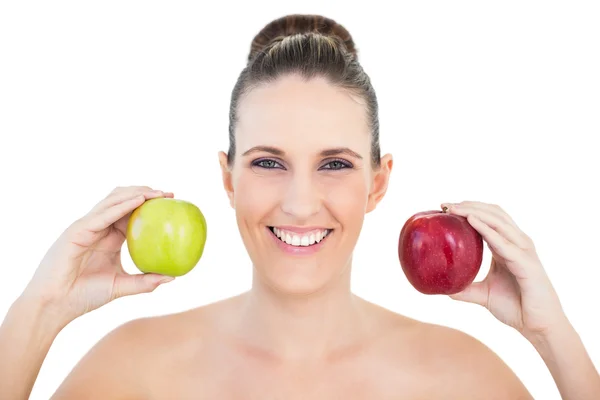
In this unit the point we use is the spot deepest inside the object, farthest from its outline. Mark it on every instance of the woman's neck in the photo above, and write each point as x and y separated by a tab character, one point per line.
303	326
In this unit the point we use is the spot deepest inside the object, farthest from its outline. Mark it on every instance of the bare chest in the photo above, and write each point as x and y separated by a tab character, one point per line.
254	386
226	380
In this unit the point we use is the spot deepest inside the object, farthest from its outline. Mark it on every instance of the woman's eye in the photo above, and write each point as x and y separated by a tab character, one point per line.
336	164
272	164
267	164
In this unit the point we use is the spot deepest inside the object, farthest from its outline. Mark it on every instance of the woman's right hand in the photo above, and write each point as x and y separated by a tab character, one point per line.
82	270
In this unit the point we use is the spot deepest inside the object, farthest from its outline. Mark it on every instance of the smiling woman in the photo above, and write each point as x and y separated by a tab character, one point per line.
301	167
302	170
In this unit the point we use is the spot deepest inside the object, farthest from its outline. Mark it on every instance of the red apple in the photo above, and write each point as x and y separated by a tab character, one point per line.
440	253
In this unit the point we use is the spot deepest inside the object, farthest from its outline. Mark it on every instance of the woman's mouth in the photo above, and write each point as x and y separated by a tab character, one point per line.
305	239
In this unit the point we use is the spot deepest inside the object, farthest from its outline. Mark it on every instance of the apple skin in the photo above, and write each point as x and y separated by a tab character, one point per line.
440	253
166	236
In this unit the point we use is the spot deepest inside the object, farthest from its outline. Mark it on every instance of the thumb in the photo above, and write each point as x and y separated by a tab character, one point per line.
127	285
476	293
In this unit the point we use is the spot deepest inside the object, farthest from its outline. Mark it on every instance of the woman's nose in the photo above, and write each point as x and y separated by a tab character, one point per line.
302	197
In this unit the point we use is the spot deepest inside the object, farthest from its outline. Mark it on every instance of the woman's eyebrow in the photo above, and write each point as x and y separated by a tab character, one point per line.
340	150
324	153
267	149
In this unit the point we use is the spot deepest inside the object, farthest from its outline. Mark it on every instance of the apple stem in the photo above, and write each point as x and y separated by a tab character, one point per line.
444	209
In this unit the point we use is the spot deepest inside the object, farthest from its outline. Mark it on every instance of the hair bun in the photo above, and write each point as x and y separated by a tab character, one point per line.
298	24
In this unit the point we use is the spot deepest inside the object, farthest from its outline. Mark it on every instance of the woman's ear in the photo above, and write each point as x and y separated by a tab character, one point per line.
227	178
381	178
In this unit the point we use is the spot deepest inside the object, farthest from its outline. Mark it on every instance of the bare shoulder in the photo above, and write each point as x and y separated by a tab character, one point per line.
132	359
445	362
468	365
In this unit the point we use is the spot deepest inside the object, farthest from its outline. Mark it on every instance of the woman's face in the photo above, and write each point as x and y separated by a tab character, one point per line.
302	181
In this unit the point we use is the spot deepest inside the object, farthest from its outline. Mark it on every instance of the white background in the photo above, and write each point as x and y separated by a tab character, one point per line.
490	101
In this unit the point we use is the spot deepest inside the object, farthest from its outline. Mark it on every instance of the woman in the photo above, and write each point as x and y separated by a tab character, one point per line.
302	170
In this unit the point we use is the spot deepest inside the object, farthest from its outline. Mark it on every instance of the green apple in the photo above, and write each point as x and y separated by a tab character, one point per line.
166	236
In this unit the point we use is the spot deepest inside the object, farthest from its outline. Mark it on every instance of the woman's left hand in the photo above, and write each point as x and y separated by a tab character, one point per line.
517	290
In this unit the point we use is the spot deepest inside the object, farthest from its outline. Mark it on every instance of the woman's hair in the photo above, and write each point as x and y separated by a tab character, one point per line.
311	46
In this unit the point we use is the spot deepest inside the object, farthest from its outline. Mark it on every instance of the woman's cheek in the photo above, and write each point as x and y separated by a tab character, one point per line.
346	194
255	190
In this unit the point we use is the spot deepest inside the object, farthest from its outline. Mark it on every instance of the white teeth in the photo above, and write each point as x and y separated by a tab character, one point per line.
320	236
295	239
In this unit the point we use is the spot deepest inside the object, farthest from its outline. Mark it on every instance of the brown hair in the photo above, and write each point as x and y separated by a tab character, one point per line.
312	46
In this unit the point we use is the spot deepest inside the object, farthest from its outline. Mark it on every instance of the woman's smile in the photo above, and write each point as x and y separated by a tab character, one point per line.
299	241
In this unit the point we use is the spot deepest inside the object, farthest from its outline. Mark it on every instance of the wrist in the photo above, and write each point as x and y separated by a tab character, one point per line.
554	337
43	311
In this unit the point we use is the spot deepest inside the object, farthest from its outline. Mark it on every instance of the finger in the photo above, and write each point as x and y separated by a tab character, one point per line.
151	194
492	208
127	285
508	231
515	259
129	188
101	220
120	194
496	242
476	293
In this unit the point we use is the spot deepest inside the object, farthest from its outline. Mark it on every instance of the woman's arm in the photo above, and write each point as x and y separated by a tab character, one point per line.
518	292
569	363
80	272
28	331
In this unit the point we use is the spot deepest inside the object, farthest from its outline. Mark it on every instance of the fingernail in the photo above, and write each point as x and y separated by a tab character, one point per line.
166	279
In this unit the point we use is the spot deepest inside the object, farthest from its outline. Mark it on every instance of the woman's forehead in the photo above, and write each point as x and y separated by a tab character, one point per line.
294	112
294	95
